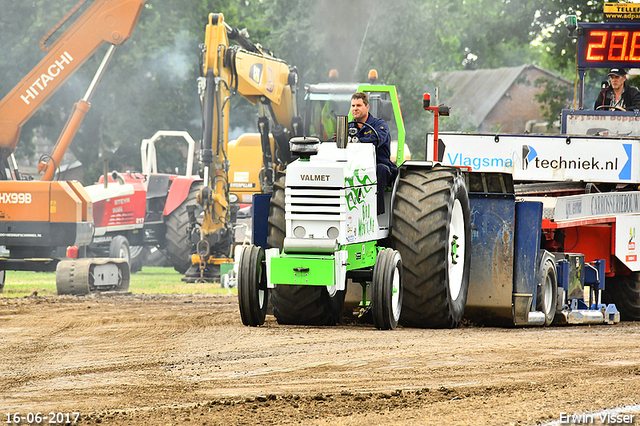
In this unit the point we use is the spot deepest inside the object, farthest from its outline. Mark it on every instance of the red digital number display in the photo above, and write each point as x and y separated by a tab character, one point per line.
608	44
613	46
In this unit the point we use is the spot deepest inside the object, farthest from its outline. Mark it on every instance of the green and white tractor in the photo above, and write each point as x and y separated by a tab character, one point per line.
325	233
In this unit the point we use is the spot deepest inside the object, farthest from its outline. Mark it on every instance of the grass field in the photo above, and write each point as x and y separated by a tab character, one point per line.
151	280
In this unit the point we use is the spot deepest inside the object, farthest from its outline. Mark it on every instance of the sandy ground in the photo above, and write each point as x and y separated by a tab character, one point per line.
169	360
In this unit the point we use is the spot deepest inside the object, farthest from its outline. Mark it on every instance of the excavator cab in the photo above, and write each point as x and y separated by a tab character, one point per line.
9	170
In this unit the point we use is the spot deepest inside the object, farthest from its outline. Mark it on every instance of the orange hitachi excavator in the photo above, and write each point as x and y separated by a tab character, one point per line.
38	217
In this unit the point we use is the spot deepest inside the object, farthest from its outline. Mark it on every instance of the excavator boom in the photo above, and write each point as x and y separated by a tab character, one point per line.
254	73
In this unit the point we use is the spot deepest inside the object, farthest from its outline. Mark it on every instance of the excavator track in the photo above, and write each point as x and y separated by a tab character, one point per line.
83	276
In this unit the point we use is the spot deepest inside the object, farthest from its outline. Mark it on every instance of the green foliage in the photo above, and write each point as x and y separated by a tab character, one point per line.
553	99
550	29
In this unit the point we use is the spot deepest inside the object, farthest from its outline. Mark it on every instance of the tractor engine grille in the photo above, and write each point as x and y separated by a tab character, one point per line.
123	218
304	202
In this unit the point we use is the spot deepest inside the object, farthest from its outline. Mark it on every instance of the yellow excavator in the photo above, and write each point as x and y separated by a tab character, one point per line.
253	72
39	217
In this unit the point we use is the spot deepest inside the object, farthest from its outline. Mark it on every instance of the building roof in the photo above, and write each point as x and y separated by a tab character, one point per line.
476	92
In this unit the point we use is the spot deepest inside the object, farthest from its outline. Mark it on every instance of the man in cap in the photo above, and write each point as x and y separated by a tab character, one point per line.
618	95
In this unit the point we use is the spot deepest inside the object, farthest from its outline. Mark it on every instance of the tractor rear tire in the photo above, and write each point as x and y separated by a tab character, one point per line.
624	291
386	290
177	239
306	305
432	231
252	286
139	256
277	223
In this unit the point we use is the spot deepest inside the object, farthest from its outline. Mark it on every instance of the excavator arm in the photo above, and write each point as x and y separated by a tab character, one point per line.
104	21
254	73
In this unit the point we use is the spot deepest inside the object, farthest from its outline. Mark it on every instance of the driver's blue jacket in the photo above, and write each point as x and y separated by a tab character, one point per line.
383	144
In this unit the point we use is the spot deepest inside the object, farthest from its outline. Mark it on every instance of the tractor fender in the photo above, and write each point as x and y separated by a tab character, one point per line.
178	192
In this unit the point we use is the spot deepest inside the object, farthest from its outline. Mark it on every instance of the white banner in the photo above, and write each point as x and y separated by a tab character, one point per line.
542	158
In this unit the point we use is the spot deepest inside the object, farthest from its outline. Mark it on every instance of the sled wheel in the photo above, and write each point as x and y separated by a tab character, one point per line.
624	291
432	232
252	286
547	292
386	290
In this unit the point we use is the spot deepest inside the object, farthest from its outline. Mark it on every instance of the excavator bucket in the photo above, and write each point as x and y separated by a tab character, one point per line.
83	276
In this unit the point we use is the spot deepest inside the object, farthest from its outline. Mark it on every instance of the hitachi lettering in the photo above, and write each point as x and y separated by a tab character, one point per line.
41	82
15	198
315	178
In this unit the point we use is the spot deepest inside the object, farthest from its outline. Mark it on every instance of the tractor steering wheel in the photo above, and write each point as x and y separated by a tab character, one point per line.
610	108
369	126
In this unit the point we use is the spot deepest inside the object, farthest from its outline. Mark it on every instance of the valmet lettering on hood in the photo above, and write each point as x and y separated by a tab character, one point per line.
315	178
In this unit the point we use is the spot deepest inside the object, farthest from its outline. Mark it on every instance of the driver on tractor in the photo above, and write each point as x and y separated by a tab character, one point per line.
375	131
618	95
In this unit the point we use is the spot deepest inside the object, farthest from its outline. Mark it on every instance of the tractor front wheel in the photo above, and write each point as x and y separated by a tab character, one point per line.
386	291
119	248
252	286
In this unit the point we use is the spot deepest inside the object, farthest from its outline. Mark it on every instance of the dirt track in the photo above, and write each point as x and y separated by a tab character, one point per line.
145	360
